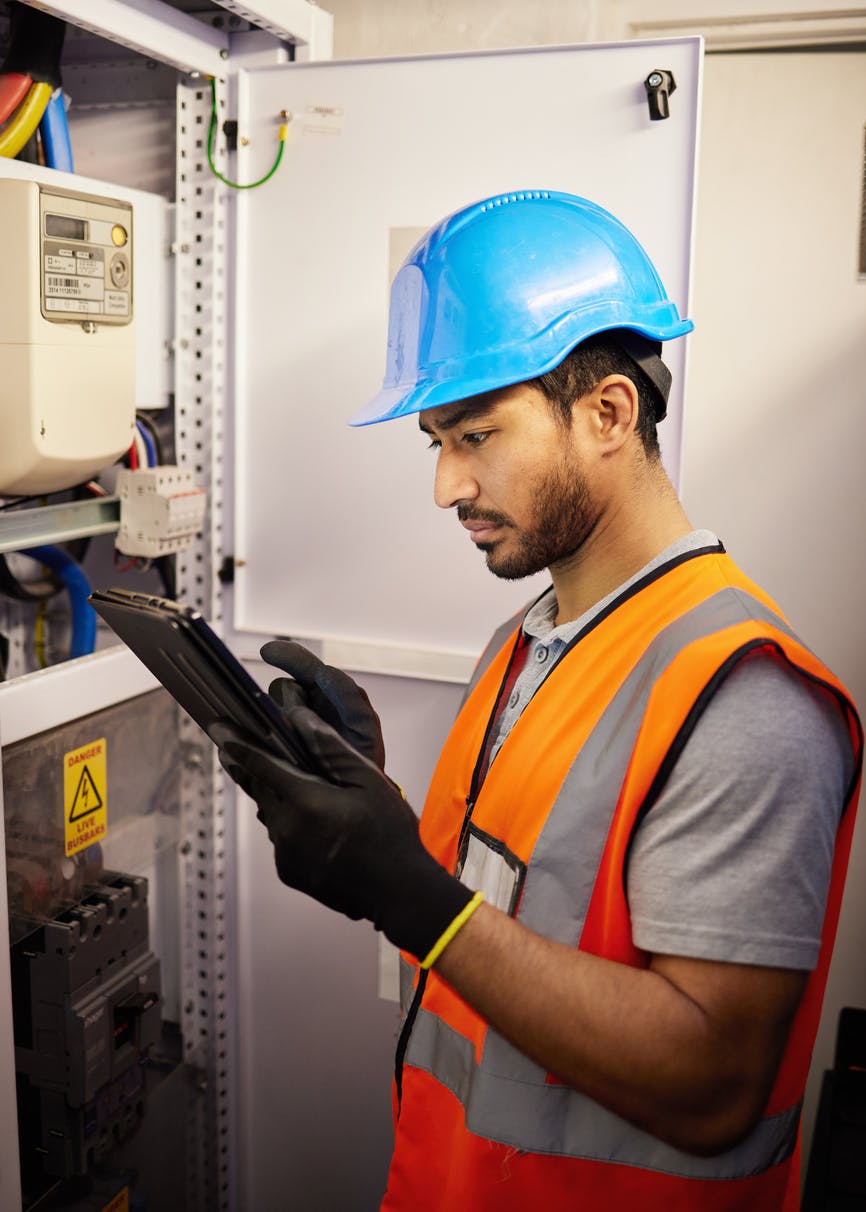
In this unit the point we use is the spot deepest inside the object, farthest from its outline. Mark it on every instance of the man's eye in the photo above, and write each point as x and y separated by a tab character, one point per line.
434	444
476	437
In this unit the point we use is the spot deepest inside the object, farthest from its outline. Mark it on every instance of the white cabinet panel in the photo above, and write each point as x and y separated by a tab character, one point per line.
336	534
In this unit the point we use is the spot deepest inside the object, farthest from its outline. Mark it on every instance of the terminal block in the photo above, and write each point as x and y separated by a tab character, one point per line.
86	1005
161	511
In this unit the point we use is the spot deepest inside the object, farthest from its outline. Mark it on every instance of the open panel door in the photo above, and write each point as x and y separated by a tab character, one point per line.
336	534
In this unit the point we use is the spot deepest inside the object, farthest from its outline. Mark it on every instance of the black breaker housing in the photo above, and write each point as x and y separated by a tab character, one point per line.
86	1009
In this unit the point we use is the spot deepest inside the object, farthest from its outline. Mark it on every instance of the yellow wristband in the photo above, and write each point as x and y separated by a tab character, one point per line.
447	935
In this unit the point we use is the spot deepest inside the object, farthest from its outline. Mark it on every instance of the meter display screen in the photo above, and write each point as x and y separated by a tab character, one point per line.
66	227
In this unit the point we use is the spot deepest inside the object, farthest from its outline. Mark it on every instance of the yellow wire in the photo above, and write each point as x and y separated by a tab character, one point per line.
39	636
28	116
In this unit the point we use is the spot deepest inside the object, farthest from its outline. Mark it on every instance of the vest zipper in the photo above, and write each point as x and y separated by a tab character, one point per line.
464	830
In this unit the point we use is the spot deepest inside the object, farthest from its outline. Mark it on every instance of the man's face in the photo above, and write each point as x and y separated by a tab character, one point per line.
511	470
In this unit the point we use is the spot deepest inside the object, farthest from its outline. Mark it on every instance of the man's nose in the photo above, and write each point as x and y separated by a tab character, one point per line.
453	482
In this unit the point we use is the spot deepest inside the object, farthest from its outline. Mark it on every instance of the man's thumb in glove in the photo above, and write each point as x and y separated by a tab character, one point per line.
331	756
247	762
286	693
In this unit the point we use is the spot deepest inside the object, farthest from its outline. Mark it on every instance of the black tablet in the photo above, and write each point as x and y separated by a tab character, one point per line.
177	645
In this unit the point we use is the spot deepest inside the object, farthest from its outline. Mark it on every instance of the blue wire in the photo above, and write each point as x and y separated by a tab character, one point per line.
54	131
150	446
78	588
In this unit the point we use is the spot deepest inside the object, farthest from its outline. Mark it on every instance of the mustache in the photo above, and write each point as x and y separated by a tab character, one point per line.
469	513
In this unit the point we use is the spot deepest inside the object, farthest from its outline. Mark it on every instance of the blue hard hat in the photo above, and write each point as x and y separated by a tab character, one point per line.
501	291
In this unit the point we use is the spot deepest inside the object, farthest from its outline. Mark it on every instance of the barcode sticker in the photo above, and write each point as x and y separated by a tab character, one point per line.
75	288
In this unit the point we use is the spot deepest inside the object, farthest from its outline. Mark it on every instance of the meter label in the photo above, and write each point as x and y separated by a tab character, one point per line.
74	287
93	269
63	265
116	303
71	305
84	796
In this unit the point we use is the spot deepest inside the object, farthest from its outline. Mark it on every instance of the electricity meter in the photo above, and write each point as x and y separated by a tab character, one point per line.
67	340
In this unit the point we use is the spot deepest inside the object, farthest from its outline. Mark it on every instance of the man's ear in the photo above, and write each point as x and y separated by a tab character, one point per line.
613	411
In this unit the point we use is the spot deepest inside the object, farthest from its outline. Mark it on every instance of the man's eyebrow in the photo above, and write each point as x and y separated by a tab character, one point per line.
458	413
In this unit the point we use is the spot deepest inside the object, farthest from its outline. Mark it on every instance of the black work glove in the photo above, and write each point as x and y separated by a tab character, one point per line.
345	836
331	693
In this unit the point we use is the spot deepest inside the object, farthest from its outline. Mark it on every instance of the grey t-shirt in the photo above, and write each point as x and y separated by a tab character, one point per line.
733	861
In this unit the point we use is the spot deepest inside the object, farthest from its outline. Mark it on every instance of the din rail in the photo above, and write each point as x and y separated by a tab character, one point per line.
23	528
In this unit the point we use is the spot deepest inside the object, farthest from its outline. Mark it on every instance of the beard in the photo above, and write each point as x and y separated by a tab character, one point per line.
564	518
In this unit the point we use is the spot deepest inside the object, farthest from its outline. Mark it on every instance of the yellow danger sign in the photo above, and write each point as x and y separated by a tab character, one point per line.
120	1203
84	796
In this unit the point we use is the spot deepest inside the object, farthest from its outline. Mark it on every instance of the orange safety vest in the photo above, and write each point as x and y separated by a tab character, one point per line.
480	1126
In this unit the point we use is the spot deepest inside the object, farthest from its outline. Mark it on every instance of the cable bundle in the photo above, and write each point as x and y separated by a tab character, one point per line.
31	97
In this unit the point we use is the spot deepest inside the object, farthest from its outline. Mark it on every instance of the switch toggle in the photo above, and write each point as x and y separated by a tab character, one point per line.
128	1017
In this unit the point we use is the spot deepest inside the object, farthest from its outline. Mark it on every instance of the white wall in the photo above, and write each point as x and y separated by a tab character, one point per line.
775	416
365	29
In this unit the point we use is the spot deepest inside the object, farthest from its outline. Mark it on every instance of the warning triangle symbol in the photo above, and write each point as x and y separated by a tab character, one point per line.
87	798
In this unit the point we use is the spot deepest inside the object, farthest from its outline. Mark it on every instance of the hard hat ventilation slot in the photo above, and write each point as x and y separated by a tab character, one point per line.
528	195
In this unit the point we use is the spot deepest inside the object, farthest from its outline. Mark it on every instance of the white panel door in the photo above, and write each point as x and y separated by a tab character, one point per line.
336	535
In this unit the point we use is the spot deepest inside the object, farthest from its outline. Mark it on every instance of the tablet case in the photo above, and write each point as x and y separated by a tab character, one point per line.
179	647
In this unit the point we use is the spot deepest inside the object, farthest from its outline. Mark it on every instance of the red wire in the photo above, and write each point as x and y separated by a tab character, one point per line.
13	89
133	457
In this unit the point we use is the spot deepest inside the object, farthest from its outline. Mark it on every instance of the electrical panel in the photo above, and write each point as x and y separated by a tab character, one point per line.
91	818
161	510
67	336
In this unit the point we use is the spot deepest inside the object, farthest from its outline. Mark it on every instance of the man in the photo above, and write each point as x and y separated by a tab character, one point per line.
617	919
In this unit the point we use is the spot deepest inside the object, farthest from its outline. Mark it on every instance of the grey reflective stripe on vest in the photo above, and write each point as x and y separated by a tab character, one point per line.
557	1120
559	882
506	1097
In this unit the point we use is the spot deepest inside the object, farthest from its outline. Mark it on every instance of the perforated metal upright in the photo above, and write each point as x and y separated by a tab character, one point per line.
164	34
200	386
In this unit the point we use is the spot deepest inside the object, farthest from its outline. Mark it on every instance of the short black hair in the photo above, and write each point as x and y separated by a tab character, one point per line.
590	362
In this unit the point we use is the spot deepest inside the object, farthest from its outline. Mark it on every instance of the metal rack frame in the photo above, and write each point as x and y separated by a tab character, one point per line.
51	696
200	387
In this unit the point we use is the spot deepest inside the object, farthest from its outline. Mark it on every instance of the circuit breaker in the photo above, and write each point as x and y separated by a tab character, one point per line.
67	340
87	1010
161	510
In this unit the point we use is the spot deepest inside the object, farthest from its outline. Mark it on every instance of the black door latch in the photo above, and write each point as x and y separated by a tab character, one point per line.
659	85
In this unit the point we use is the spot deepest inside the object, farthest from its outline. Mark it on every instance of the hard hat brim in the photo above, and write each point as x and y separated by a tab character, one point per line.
404	399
